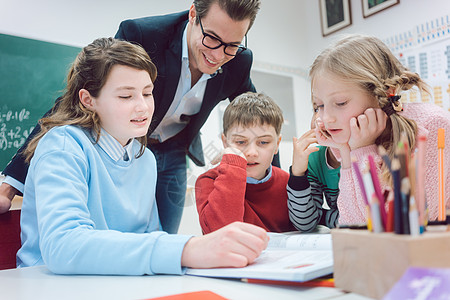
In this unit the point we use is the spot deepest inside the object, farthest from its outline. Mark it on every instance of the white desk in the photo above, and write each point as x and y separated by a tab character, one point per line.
39	283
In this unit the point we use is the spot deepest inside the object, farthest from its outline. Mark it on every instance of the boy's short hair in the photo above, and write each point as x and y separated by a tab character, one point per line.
251	109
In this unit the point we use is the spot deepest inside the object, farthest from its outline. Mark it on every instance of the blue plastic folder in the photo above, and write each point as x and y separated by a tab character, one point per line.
422	283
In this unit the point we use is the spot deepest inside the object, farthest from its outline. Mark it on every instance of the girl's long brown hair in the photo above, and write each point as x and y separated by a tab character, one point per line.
90	71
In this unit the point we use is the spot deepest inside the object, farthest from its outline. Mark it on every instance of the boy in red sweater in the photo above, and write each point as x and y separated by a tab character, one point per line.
245	186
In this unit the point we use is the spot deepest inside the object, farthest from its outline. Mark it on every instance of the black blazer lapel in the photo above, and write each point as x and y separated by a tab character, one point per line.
168	76
211	98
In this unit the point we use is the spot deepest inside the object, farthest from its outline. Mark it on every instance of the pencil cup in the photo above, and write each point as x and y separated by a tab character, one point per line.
371	263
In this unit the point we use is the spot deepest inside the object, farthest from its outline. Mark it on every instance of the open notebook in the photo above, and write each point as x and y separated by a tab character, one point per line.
288	257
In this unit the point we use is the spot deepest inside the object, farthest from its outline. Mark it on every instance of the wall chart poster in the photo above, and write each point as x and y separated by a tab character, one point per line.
425	50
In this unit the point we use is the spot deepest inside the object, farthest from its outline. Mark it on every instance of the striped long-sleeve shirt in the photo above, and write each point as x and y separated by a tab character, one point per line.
306	194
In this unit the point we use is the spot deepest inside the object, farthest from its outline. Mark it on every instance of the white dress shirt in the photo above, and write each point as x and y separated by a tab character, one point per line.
187	100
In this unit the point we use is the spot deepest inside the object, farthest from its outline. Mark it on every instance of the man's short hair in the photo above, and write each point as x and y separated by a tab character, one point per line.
237	10
250	109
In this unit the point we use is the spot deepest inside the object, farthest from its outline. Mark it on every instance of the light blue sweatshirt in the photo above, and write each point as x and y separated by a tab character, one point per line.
84	212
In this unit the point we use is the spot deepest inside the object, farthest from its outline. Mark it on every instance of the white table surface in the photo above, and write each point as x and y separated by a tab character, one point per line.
40	283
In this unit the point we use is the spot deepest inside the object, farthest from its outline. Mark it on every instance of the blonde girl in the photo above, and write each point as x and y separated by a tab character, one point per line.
356	86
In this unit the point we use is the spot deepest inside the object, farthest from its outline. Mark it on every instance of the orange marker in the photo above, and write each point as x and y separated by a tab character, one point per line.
441	145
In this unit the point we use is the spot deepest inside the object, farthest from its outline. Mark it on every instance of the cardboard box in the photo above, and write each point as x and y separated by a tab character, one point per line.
370	264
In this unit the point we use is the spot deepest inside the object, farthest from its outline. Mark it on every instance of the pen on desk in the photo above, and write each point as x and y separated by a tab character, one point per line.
420	179
441	145
405	190
397	196
376	185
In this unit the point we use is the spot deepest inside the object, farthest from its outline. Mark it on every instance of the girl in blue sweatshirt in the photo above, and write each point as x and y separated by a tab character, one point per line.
89	201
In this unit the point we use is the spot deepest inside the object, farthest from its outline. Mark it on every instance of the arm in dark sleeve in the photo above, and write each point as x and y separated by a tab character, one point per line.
304	203
129	30
331	216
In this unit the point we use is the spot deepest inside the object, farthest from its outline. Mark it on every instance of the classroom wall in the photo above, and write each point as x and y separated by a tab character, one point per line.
277	49
285	39
287	36
76	23
274	43
396	19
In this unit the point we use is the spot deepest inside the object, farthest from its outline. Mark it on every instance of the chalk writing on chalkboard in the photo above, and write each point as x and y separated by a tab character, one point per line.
32	76
12	135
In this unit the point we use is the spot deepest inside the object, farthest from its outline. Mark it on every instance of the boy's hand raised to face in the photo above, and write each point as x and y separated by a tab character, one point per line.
301	152
227	150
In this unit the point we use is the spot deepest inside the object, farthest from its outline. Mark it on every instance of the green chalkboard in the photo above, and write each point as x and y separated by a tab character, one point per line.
32	76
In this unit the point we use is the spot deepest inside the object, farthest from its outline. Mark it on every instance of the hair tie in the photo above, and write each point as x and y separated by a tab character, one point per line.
388	109
394	106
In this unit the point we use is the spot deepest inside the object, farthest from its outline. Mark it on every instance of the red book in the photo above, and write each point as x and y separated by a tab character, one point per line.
329	282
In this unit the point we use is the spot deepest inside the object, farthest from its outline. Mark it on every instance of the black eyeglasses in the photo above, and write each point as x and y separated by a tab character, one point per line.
212	42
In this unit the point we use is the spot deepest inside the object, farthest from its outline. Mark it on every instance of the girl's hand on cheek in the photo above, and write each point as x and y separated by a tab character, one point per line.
366	128
322	135
324	138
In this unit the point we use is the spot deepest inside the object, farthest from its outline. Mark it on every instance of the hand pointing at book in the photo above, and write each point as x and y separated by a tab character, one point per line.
235	245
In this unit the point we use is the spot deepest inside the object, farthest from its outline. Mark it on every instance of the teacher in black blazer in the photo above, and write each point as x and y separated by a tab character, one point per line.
201	58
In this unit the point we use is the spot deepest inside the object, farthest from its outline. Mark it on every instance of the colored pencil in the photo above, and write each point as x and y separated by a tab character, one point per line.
414	227
405	189
376	217
400	154
368	184
360	182
441	145
420	179
412	174
384	155
376	185
390	213
405	142
397	196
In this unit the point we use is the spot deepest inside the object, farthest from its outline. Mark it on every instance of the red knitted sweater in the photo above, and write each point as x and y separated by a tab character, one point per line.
223	196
